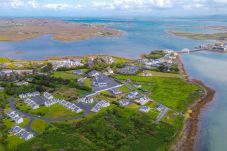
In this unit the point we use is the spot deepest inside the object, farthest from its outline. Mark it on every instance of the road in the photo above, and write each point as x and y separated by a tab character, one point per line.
85	107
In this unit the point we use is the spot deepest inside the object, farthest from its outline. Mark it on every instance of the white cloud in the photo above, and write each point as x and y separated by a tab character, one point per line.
220	1
33	3
132	4
15	3
58	6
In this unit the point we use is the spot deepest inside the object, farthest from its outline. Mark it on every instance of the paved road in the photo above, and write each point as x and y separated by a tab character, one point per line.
85	107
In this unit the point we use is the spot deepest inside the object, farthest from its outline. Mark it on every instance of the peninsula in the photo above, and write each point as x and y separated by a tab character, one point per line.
20	29
222	36
97	102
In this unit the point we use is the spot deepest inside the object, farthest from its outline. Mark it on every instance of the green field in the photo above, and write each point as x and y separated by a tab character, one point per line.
5	60
65	75
54	111
175	93
39	125
162	74
112	129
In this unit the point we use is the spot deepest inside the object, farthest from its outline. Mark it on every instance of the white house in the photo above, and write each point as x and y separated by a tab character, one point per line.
15	116
20	132
48	95
144	109
100	105
133	95
142	100
87	100
115	91
124	102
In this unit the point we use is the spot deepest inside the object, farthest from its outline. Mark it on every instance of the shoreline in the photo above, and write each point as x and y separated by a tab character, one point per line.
187	139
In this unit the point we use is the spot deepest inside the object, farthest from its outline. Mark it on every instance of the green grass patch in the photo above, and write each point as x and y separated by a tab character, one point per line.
53	111
5	60
25	123
162	74
175	93
133	106
39	125
65	75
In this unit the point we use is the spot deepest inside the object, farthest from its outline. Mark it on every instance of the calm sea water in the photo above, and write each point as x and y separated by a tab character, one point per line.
141	36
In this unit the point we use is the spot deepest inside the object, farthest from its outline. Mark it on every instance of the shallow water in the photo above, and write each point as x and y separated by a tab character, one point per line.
141	36
211	68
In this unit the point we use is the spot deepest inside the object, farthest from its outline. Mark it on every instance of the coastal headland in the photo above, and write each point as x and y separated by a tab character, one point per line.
20	29
150	96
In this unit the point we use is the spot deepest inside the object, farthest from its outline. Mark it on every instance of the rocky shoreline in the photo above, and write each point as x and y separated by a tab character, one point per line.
187	139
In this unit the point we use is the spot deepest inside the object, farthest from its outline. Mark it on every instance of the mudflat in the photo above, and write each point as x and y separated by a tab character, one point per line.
20	29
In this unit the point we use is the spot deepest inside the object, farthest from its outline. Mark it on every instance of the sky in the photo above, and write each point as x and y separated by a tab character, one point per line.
79	8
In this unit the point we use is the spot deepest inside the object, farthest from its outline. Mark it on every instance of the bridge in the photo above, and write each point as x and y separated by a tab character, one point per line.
188	51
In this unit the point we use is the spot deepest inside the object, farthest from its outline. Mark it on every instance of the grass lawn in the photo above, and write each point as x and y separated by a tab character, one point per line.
162	74
39	125
5	60
124	89
113	129
25	123
65	75
133	106
54	111
172	92
68	93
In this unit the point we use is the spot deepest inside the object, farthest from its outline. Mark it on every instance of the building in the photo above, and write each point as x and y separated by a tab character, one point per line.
87	100
124	102
21	83
2	89
133	95
67	63
50	102
115	91
93	73
9	72
160	107
144	109
73	107
142	100
78	72
48	96
137	85
100	105
129	70
108	59
147	74
109	71
15	116
29	95
31	103
90	62
20	132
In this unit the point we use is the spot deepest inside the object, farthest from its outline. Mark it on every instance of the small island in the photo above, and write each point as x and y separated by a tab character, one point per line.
99	102
20	29
222	36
